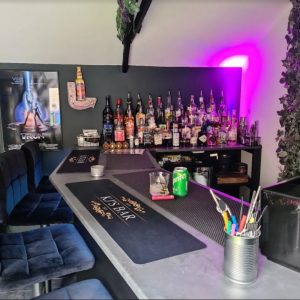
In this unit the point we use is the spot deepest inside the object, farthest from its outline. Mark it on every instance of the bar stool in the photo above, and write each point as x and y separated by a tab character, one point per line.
20	207
36	179
91	289
31	257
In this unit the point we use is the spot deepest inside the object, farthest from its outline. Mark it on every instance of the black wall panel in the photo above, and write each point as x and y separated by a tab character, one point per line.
109	80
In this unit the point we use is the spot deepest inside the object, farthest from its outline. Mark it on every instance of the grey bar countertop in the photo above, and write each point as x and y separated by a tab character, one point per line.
192	275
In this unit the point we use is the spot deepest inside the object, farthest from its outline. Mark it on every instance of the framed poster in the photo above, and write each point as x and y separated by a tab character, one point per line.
30	109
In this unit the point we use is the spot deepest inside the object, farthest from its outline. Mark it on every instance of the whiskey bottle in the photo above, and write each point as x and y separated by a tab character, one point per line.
148	137
139	111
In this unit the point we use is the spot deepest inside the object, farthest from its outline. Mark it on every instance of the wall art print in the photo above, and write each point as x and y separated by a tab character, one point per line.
30	109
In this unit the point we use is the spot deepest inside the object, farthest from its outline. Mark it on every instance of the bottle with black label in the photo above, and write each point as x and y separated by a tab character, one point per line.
107	121
202	135
148	137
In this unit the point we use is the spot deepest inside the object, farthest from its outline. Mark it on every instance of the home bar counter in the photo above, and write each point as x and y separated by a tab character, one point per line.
190	275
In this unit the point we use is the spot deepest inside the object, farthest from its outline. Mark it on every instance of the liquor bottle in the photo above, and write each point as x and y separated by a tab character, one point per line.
185	134
148	137
157	137
167	138
223	134
80	85
107	121
201	113
211	136
150	114
176	137
129	119
222	109
169	109
119	132
242	130
140	131
159	112
139	111
202	136
232	132
179	112
212	109
119	114
192	109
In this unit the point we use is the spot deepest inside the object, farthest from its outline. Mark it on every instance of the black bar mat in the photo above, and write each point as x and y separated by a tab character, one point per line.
196	209
144	234
128	161
80	161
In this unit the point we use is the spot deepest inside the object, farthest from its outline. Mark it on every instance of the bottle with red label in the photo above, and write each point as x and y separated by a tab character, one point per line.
119	132
119	114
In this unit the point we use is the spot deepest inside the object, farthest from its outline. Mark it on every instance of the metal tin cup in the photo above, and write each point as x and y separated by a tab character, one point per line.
180	181
240	258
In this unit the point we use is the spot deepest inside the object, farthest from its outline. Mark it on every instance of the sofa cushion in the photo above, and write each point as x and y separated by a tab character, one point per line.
38	255
88	289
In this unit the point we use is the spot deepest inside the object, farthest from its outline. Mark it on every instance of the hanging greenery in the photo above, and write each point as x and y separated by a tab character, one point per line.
125	13
288	137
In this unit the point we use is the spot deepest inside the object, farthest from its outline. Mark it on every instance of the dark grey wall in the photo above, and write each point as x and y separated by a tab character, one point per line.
109	80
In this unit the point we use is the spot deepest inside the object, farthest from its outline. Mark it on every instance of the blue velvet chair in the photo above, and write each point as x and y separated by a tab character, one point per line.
37	181
20	207
91	289
35	256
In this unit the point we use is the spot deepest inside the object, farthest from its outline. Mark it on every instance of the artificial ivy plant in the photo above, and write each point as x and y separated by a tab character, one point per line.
125	13
288	137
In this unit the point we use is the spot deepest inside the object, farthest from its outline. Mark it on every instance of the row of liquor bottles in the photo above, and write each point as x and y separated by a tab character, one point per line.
195	124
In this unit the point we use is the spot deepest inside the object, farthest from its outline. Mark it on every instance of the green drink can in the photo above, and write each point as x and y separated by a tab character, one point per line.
180	181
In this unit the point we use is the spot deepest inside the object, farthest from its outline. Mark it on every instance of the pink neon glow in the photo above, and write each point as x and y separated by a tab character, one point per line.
249	58
236	61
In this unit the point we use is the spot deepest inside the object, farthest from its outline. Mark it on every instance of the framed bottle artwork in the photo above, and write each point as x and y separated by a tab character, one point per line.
30	109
